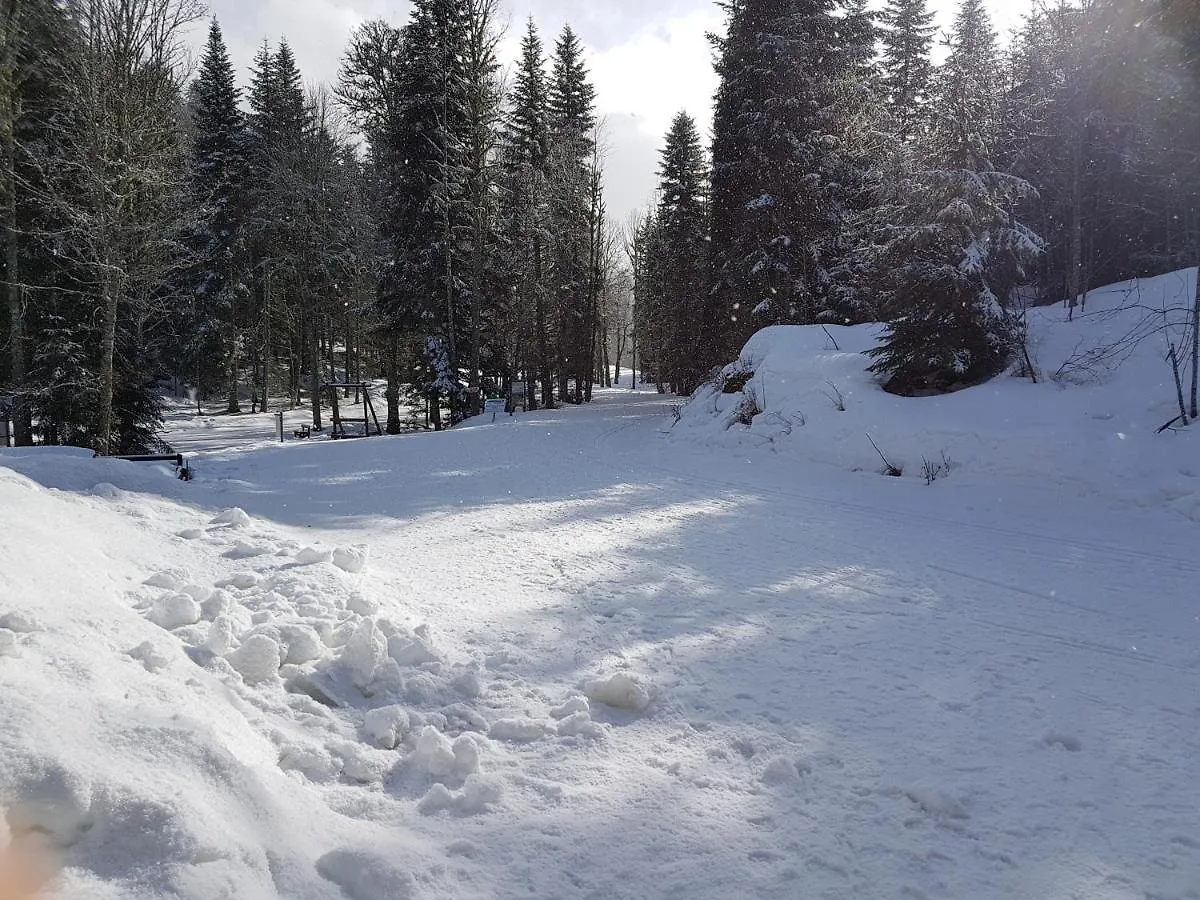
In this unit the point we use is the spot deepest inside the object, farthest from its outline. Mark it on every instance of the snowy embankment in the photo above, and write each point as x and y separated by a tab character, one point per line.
1089	425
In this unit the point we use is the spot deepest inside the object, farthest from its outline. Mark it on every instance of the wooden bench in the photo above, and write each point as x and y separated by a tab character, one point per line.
303	432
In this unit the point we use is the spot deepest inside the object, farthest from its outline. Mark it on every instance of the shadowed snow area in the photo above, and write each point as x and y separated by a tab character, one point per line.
569	656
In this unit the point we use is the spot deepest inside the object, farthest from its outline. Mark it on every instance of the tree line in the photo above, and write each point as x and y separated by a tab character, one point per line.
426	223
419	221
850	179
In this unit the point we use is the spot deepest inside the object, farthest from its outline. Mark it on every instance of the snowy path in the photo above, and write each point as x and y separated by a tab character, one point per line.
859	687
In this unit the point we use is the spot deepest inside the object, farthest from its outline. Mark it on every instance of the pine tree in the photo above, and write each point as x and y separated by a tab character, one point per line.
219	184
907	37
119	182
775	171
572	122
954	252
966	119
864	147
44	375
525	151
681	230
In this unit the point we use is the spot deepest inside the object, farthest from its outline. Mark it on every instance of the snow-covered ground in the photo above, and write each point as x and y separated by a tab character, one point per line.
581	654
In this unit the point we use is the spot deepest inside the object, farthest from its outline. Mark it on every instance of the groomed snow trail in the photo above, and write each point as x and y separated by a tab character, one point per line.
561	657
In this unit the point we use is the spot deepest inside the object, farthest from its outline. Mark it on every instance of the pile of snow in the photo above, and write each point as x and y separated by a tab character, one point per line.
185	717
1091	421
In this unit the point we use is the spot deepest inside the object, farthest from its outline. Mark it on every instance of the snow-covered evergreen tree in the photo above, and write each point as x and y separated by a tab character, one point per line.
678	334
525	152
774	166
953	251
907	37
219	175
571	101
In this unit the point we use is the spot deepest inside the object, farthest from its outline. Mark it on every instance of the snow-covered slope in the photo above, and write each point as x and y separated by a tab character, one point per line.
1089	425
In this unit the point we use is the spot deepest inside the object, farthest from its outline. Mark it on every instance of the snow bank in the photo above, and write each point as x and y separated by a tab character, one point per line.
232	718
1091	422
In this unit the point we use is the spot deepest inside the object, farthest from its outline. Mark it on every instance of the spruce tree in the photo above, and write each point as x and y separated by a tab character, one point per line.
525	149
907	37
680	239
219	183
954	251
572	121
967	88
775	169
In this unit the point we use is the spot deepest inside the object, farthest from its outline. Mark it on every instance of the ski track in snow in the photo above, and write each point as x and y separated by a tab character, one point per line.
559	657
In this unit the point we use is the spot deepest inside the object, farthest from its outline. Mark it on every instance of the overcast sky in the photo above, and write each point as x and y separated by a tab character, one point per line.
648	59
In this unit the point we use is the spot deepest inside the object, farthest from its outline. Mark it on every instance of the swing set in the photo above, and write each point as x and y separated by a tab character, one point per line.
342	428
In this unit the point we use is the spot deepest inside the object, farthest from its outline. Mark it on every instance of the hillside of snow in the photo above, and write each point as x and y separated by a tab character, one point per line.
581	654
1089	426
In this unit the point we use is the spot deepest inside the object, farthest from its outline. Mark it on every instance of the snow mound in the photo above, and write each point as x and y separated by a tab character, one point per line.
174	611
413	648
8	643
20	622
364	652
387	725
479	793
1103	391
311	556
516	729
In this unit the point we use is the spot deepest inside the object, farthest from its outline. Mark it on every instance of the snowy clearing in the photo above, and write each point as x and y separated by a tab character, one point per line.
578	654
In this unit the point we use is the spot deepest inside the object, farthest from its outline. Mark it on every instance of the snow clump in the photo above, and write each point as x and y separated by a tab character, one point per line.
620	691
234	518
351	559
440	757
174	611
257	660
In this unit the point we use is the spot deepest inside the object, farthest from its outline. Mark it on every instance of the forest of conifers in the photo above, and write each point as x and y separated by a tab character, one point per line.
429	222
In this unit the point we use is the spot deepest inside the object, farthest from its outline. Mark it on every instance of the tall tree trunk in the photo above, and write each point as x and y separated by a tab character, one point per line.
539	303
314	375
392	394
1195	401
618	352
474	386
234	405
108	343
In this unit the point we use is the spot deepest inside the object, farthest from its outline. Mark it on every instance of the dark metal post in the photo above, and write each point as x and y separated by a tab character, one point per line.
279	416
